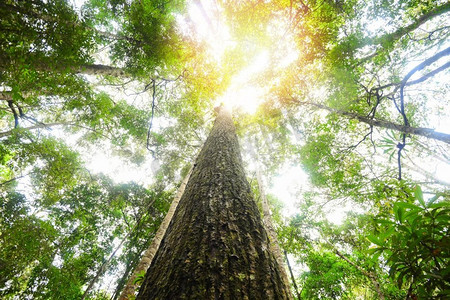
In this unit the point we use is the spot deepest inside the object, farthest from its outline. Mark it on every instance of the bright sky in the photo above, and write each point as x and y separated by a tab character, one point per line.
210	27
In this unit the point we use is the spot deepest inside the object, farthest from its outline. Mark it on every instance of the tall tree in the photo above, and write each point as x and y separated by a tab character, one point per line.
216	245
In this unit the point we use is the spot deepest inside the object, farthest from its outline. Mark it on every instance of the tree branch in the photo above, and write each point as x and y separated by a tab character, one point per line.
425	132
292	276
402	31
153	83
14	112
370	275
419	67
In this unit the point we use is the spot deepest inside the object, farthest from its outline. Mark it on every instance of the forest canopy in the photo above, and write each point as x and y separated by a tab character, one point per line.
341	107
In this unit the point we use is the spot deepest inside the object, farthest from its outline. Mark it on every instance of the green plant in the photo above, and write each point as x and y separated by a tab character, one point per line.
415	244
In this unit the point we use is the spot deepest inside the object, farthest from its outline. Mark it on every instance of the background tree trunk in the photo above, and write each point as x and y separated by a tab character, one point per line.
148	255
216	246
268	225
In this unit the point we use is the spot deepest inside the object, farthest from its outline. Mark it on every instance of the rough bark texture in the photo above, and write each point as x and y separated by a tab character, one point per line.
267	217
149	254
216	246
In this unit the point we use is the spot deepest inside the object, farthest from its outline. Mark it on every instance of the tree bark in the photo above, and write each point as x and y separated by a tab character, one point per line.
268	225
216	246
147	257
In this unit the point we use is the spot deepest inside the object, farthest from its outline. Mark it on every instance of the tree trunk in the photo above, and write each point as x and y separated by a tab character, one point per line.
147	258
104	267
216	246
268	225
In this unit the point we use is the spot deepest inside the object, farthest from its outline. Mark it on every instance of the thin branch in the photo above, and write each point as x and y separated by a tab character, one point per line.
292	276
372	276
362	140
421	79
14	112
153	83
14	179
425	132
41	125
419	67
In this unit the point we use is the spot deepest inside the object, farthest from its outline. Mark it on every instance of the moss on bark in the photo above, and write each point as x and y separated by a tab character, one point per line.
215	246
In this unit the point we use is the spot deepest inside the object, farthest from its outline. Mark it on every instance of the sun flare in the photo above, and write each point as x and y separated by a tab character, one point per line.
276	51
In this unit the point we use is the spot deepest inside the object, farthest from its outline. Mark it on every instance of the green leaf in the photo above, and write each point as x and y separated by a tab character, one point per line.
399	210
376	251
408	205
375	240
440	204
404	228
419	195
433	199
385	235
384	221
400	278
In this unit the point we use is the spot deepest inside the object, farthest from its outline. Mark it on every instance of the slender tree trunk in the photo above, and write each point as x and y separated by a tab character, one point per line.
426	132
268	225
370	275
216	246
148	255
131	265
106	264
104	267
292	276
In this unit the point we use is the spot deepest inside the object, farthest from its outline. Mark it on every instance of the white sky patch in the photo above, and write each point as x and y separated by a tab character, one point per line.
285	51
210	28
121	171
285	187
289	185
242	94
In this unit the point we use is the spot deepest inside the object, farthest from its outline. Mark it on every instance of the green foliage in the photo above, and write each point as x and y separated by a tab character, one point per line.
139	278
56	251
327	276
52	166
149	37
414	243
